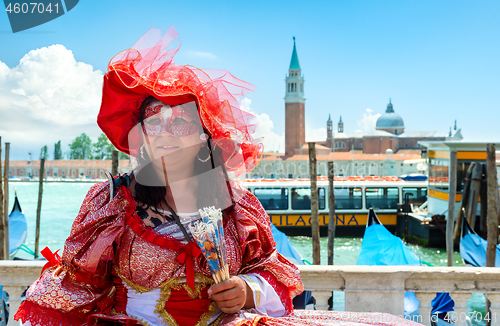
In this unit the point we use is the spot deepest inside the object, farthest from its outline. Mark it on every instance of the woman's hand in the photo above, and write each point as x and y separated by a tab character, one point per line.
232	295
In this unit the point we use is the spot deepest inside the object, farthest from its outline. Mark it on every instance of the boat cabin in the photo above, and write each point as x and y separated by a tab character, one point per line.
438	155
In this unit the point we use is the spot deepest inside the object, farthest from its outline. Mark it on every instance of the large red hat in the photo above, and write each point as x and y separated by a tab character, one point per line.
148	69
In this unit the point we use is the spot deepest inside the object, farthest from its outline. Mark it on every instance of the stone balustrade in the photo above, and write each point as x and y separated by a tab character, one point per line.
367	288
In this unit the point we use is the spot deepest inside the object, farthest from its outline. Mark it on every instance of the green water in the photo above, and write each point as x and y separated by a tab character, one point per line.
60	205
346	251
61	202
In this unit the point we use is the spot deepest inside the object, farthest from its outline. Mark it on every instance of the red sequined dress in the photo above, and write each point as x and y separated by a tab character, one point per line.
111	255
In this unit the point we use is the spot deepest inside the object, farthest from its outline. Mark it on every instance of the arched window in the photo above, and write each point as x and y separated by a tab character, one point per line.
340	144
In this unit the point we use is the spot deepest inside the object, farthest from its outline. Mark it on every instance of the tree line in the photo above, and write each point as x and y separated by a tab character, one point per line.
82	148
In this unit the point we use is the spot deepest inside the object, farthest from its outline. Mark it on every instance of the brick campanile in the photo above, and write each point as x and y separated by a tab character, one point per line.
295	135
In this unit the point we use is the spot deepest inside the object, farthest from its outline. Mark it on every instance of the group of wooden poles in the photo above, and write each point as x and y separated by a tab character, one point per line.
315	207
4	205
4	201
480	182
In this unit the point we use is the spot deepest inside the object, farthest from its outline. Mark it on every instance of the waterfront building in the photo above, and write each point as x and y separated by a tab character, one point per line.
65	169
389	133
387	150
353	163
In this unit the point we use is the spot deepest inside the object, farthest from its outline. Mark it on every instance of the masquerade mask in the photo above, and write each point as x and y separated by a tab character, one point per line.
179	120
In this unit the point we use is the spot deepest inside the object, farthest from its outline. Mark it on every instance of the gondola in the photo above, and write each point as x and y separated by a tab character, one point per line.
17	235
286	249
17	228
473	247
380	247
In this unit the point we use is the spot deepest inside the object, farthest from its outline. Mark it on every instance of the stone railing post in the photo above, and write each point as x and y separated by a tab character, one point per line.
425	307
321	298
460	308
383	292
321	282
494	315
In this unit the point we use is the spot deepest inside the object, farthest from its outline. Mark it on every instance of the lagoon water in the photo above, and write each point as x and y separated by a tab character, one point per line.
62	200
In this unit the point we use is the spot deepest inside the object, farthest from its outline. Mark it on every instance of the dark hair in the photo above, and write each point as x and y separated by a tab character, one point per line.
214	189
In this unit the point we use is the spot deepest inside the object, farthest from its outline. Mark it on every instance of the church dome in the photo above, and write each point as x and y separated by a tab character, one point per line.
390	121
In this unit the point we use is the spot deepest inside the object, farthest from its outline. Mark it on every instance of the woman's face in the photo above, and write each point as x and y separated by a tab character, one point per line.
172	133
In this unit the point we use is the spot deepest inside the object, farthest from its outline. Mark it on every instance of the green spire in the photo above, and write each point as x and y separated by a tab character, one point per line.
294	63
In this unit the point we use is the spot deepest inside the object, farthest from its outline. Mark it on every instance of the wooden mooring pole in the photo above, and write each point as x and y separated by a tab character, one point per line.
114	163
483	194
6	197
451	207
475	189
331	216
3	244
314	205
463	205
492	182
39	206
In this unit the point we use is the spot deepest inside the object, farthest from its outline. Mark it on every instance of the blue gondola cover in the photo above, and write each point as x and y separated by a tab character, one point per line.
381	247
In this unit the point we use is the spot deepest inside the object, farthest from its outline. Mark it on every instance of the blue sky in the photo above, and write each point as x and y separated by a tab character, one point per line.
437	60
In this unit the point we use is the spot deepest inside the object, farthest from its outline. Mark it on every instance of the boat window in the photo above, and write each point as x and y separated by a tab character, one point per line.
301	198
272	198
417	195
348	198
382	198
438	173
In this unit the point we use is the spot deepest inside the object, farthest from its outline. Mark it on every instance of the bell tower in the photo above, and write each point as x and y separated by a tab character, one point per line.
340	125
329	132
294	106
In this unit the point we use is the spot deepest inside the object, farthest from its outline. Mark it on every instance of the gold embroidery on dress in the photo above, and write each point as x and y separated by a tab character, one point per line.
138	288
142	321
178	283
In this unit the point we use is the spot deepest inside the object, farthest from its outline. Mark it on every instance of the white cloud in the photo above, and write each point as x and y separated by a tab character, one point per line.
47	97
265	126
316	135
203	55
368	122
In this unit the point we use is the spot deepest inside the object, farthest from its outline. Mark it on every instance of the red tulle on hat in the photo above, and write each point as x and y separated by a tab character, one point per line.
148	69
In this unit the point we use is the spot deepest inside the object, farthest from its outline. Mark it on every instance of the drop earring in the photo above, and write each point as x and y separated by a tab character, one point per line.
204	160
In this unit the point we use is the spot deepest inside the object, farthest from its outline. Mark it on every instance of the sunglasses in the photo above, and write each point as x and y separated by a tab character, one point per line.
178	120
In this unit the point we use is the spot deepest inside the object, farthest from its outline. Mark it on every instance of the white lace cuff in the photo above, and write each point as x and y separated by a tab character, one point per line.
266	301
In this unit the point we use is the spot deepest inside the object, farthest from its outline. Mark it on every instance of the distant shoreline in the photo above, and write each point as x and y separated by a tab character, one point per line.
60	180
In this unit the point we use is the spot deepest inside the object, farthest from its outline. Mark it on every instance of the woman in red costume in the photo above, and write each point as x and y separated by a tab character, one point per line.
130	258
